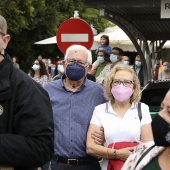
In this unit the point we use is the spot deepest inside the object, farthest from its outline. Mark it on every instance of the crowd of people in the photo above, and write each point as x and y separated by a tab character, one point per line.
61	120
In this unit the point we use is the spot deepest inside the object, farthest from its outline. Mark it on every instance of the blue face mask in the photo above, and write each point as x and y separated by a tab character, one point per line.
75	72
35	67
126	63
113	58
138	63
165	68
100	59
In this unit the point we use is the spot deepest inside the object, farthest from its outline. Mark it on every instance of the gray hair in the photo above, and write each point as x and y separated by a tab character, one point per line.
3	25
79	48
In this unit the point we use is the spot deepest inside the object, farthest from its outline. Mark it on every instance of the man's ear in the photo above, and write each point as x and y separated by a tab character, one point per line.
89	68
6	39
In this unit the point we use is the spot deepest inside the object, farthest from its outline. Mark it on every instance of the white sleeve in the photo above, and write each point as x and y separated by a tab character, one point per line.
96	118
146	117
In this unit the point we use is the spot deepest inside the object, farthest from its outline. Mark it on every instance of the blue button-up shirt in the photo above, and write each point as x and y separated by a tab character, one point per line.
72	112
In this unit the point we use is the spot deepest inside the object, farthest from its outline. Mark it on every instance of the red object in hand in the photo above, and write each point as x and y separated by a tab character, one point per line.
118	164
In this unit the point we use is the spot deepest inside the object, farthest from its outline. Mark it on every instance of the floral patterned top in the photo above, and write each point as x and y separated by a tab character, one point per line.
43	80
135	160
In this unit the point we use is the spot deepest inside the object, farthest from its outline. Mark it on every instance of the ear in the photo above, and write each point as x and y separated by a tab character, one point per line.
89	68
6	39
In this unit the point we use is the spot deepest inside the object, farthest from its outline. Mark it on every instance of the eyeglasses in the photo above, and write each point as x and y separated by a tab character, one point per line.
80	62
126	83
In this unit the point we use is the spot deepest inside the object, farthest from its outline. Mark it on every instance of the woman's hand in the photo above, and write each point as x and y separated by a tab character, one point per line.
124	153
98	136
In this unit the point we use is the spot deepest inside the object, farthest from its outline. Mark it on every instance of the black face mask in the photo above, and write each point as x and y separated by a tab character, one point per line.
161	131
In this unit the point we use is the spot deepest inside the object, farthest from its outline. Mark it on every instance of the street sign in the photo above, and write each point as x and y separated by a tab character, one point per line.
165	8
74	32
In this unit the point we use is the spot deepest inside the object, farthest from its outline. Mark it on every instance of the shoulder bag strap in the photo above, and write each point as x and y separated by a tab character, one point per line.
139	111
144	154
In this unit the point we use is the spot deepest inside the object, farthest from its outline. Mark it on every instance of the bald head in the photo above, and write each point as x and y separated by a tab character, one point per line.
3	25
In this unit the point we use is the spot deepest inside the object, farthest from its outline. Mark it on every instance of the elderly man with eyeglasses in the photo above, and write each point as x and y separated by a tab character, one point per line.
73	99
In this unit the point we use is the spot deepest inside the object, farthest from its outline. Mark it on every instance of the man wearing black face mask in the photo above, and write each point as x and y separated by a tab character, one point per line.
26	122
154	155
73	99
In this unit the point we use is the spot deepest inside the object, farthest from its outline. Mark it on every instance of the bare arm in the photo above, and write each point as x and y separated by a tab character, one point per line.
100	151
146	133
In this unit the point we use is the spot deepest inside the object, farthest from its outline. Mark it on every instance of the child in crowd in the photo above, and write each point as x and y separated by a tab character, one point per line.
104	45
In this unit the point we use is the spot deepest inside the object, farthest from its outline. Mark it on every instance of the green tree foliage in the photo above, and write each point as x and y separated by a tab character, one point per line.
33	20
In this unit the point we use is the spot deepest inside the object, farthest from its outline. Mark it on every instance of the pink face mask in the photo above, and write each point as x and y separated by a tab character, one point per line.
121	93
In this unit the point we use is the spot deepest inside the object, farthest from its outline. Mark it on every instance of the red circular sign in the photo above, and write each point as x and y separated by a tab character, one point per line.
74	32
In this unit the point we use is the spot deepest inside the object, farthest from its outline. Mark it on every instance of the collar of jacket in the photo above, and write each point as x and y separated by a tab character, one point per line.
6	67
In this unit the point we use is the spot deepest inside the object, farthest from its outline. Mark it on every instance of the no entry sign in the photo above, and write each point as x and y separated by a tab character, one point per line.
74	31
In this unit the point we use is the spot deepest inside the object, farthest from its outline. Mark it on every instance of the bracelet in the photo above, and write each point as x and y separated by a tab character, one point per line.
114	154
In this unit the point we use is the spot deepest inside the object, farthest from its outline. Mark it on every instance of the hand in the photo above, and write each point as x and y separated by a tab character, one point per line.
98	136
124	153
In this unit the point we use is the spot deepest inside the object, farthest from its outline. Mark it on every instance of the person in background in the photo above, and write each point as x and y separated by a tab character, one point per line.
154	155
101	58
119	118
73	98
116	59
104	46
38	72
26	121
45	61
39	57
138	68
125	60
165	73
59	69
15	61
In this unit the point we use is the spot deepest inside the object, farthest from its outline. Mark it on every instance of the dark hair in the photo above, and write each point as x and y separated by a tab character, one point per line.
17	61
43	70
105	54
118	49
107	39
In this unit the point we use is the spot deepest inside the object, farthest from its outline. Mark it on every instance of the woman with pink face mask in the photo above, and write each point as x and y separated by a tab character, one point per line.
123	128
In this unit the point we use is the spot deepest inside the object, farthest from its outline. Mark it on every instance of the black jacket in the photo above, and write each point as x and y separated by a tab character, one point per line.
140	75
26	124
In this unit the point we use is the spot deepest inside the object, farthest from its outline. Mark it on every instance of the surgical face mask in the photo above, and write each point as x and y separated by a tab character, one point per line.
113	58
100	59
49	62
60	68
121	93
126	63
138	63
75	71
35	67
165	68
161	131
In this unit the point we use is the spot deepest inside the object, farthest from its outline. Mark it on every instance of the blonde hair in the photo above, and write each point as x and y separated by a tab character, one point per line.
108	83
3	25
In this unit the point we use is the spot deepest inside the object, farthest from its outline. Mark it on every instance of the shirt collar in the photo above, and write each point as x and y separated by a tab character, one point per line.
109	108
83	85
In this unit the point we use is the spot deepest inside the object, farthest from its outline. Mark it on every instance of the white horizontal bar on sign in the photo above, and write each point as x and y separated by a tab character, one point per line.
74	38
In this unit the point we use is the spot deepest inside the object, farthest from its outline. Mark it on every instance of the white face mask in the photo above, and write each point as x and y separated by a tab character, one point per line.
35	67
60	68
49	62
